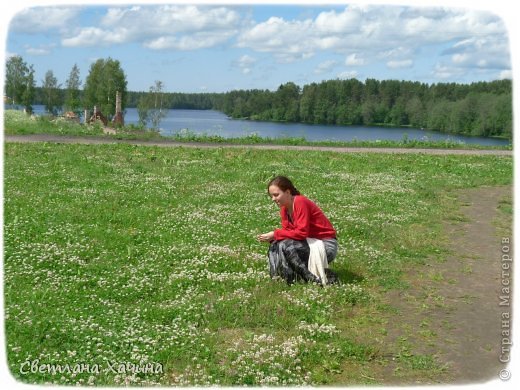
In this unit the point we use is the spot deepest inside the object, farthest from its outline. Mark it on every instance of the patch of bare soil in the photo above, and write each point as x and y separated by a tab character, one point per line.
452	309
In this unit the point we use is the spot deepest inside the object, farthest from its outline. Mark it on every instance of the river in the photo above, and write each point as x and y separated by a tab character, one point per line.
211	122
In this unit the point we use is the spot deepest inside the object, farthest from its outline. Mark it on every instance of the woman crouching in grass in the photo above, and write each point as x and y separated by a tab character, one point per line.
306	244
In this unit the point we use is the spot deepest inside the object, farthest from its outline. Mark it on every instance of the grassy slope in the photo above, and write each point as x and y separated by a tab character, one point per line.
118	253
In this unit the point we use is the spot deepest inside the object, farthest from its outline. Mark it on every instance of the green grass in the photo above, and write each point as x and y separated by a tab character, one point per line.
16	122
147	255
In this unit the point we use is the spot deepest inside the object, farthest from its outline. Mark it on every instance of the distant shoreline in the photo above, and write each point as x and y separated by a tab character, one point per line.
379	125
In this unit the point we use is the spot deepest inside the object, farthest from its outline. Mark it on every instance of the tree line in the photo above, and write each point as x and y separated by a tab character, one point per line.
481	108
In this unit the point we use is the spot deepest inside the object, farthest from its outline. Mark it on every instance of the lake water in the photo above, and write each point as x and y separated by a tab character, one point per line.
216	123
211	122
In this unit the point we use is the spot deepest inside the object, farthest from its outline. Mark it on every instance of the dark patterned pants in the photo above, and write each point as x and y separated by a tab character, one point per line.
289	259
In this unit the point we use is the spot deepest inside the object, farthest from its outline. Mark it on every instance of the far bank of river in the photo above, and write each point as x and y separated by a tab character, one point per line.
210	122
216	123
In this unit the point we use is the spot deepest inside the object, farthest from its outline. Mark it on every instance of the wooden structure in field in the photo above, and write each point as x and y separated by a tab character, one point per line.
118	118
98	116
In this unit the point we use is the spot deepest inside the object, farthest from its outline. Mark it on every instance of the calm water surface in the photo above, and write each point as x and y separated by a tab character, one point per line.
211	122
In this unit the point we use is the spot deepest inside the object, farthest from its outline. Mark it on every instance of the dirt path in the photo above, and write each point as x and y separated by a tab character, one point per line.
452	309
104	140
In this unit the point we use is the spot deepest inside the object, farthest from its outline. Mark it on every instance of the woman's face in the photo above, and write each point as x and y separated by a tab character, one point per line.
281	198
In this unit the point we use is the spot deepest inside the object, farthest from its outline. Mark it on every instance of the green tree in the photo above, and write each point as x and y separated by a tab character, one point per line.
72	99
415	112
151	106
439	116
29	91
105	78
157	111
307	102
143	108
16	78
287	102
368	112
51	92
504	115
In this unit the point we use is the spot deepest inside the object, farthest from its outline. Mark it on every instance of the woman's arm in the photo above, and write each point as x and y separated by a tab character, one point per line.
301	222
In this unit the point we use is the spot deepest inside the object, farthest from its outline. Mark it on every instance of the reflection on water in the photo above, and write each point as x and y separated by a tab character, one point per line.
211	122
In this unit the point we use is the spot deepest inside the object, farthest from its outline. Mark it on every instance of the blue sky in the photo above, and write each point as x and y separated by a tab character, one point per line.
217	47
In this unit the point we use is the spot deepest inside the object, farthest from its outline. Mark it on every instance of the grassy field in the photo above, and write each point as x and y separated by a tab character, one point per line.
138	265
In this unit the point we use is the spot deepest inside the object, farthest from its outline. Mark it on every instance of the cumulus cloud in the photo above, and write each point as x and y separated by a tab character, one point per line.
325	66
378	35
332	22
279	37
199	40
348	74
171	19
392	33
354	60
38	51
443	72
396	53
162	27
43	19
94	36
482	52
245	63
506	74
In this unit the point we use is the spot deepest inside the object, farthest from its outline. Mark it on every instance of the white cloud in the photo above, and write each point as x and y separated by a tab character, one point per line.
396	53
332	22
277	36
38	51
349	74
325	66
481	52
459	58
377	35
393	33
447	24
354	60
94	36
200	40
42	19
443	72
171	19
506	74
397	64
246	63
162	27
246	60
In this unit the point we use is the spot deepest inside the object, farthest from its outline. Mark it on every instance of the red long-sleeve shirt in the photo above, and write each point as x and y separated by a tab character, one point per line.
307	221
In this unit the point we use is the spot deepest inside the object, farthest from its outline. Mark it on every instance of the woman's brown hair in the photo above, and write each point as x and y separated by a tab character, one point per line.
284	184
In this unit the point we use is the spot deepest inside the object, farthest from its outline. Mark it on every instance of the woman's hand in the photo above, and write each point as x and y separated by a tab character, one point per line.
266	237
